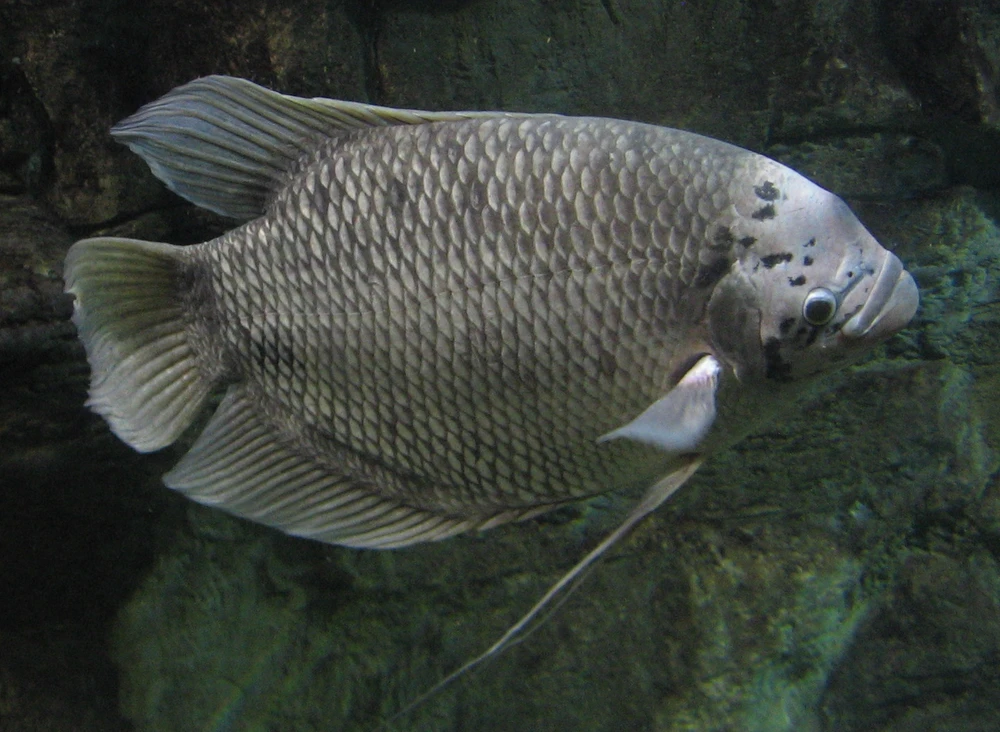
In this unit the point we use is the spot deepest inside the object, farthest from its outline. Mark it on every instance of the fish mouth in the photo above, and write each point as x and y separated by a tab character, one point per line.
891	304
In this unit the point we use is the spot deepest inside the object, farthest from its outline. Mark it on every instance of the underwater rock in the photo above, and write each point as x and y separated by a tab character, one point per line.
878	166
927	660
693	65
75	68
944	53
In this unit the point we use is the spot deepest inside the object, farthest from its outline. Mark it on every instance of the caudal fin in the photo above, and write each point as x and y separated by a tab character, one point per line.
145	377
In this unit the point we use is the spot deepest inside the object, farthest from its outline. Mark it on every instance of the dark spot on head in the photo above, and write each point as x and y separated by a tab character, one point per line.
786	325
766	191
747	241
723	238
807	261
810	243
773	259
775	367
765	212
850	275
800	280
711	273
813	335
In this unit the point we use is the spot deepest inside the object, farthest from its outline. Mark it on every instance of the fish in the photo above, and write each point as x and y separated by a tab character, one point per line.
428	323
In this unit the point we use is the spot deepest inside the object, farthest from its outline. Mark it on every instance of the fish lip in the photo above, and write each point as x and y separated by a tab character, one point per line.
890	305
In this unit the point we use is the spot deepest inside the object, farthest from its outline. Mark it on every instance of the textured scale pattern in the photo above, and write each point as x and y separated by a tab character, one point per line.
455	312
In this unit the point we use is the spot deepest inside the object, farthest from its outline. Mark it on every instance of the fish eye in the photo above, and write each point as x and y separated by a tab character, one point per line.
819	307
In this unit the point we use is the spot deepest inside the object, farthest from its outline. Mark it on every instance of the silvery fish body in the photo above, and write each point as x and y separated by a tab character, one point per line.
433	322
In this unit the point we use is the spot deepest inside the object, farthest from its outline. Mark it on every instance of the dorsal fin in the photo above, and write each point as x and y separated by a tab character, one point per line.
225	143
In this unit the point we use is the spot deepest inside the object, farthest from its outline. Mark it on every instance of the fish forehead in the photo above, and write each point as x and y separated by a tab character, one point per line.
469	305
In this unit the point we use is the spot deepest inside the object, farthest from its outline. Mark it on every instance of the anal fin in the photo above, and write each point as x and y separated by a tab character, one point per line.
242	464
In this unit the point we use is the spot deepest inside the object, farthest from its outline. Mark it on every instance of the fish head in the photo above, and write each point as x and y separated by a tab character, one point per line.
810	289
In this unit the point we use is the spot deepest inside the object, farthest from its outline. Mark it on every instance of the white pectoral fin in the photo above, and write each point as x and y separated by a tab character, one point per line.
679	421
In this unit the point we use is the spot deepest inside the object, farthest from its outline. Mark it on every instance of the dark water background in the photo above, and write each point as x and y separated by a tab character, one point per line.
838	572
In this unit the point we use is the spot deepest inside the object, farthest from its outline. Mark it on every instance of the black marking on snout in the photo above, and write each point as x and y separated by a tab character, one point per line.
786	325
748	241
765	212
806	261
711	273
723	238
810	243
797	281
805	335
766	191
775	367
771	260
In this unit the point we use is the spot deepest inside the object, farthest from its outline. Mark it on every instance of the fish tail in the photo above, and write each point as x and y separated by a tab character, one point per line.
145	376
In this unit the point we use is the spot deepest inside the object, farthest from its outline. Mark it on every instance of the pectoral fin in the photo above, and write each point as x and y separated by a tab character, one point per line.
679	421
